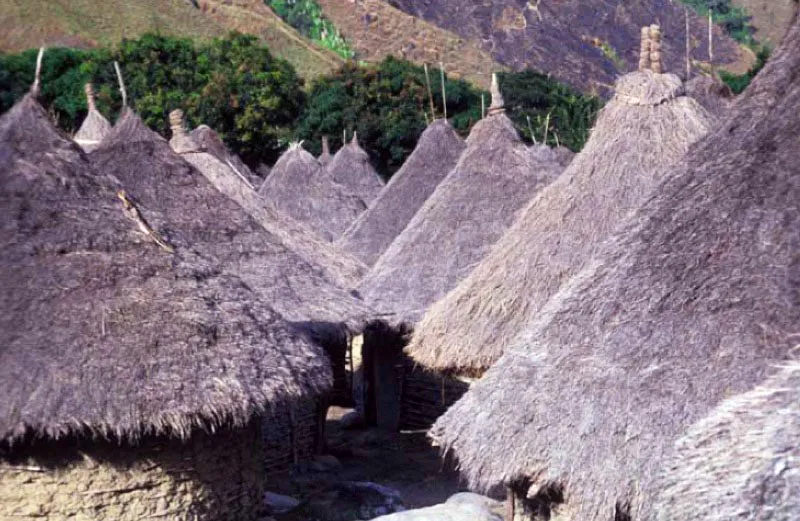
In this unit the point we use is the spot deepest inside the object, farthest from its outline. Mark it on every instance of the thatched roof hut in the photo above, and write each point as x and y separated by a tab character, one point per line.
299	187
714	95
95	127
130	367
210	142
742	461
301	281
455	227
692	301
350	168
640	134
435	155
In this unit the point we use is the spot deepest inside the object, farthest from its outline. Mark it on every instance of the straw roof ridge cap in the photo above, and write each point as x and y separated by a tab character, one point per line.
648	88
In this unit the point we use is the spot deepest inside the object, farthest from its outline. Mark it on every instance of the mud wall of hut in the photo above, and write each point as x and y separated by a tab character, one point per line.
210	477
292	434
426	395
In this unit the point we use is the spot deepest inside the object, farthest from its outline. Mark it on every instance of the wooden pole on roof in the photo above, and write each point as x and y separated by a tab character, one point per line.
430	92
37	77
710	38
530	129
121	85
483	105
444	91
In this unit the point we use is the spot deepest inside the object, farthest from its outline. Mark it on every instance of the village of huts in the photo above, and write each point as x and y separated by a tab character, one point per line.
481	320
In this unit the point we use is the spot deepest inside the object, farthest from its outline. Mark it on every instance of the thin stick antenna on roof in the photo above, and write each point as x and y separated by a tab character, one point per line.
546	127
710	38
121	85
430	92
483	105
444	91
555	134
37	78
344	136
530	129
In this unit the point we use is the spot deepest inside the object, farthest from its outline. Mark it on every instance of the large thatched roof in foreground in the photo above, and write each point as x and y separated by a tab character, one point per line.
742	461
350	168
455	227
299	187
691	302
435	155
197	201
642	132
103	330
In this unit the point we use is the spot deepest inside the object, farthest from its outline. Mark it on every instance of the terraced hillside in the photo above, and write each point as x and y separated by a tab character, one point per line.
90	23
375	30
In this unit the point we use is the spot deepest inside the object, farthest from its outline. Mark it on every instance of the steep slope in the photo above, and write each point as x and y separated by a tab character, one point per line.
771	18
88	23
375	30
584	43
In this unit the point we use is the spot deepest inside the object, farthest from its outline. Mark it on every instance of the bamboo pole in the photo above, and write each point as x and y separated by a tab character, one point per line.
121	85
37	77
430	92
444	91
710	38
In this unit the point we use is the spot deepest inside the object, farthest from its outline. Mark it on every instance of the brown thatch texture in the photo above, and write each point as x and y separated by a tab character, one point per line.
691	302
435	155
210	142
299	187
351	169
631	149
198	203
711	93
100	328
93	129
741	462
455	227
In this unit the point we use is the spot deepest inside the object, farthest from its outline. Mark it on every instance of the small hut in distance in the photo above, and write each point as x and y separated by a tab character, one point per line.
435	155
95	127
351	169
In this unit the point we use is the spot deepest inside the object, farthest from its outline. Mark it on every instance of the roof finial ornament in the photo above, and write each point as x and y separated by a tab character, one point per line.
656	64
176	122
37	79
498	104
90	97
354	141
326	149
644	50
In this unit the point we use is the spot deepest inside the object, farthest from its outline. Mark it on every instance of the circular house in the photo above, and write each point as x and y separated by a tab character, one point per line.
133	370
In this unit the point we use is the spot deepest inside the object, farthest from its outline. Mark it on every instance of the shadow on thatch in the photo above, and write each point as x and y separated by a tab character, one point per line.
693	300
639	135
104	332
435	155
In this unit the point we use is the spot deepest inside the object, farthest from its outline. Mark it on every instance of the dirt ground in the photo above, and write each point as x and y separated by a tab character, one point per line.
404	461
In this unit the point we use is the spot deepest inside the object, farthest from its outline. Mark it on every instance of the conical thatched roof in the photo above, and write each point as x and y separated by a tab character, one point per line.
299	187
94	128
457	225
631	149
742	461
435	155
691	302
102	330
300	280
711	93
210	142
351	169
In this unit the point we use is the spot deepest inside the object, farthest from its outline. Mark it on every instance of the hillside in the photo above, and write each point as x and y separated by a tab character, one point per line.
586	43
375	30
771	18
91	23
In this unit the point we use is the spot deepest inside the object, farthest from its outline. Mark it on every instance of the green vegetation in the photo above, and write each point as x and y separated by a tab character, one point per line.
306	16
739	82
258	104
535	102
734	19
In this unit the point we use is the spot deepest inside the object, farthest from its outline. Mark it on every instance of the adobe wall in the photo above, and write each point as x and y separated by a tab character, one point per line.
210	477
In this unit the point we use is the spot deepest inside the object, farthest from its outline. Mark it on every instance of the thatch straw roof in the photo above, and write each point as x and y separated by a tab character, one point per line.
299	187
290	271
631	149
102	330
350	167
742	461
435	155
457	225
210	142
711	93
94	128
691	302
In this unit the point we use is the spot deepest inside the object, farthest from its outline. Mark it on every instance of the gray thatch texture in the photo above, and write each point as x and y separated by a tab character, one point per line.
199	204
435	155
351	169
95	127
631	149
711	93
741	462
299	187
210	142
453	230
102	330
691	302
